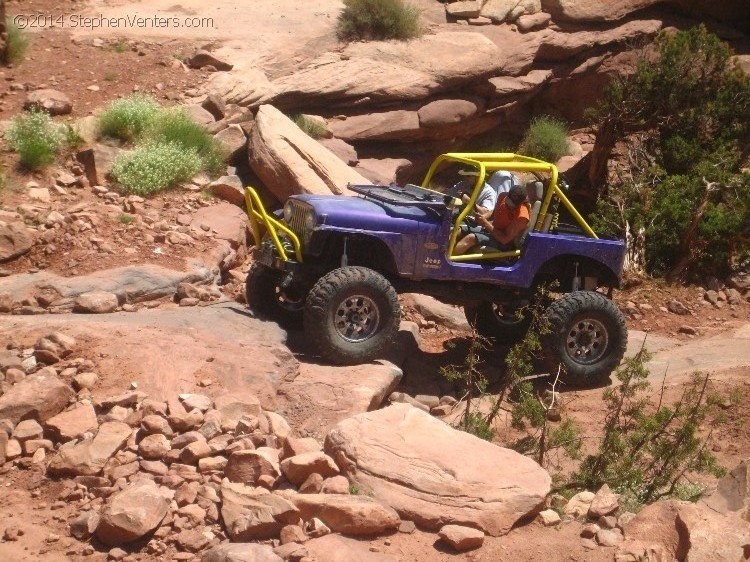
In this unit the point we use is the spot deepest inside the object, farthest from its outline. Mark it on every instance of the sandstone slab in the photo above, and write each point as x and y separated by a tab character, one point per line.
53	102
228	188
339	393
298	468
416	464
461	538
290	162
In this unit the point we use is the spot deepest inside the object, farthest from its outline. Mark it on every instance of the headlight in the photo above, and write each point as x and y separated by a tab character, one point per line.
288	211
310	221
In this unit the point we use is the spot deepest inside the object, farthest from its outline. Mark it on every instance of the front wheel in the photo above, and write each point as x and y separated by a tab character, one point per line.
269	300
351	315
587	335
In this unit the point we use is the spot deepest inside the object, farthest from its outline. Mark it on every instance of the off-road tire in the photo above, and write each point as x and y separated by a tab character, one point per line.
262	295
484	320
335	291
593	315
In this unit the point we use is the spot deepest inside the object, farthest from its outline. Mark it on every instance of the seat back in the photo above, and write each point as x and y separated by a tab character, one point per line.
535	193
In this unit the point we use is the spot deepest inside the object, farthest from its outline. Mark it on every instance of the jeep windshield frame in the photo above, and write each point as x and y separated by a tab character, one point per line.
485	162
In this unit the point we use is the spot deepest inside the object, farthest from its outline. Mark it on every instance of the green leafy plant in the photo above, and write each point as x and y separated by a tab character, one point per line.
128	118
154	167
646	451
17	43
177	127
681	187
36	138
378	19
73	139
310	127
126	219
119	46
546	139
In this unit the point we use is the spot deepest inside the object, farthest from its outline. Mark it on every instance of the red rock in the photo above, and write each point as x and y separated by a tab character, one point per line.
462	538
298	468
417	465
132	513
72	424
348	515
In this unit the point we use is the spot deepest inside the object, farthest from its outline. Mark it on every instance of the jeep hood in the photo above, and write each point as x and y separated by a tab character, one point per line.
358	213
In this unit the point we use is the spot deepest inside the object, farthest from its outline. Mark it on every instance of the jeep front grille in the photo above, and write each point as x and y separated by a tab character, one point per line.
300	213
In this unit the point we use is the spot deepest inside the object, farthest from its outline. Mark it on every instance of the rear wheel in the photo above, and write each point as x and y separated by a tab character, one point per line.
501	322
587	336
269	300
351	315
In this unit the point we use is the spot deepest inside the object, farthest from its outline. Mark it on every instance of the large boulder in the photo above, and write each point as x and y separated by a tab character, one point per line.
383	171
88	457
433	474
675	530
445	112
133	512
230	189
290	162
39	396
15	240
348	515
253	513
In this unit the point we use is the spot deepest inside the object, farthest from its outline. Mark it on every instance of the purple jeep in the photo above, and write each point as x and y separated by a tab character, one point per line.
336	263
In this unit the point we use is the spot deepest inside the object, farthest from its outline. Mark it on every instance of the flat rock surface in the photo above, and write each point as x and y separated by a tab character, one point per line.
169	351
418	465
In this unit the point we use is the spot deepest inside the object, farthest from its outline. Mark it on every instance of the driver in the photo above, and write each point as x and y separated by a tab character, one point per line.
509	219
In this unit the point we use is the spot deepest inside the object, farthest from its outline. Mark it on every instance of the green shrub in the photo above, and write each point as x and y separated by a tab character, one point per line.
128	118
176	126
36	138
153	167
309	126
546	139
684	189
17	43
378	19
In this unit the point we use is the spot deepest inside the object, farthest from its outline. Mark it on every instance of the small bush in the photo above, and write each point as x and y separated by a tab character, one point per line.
176	126
378	19
126	219
127	119
546	139
36	138
17	43
309	126
154	167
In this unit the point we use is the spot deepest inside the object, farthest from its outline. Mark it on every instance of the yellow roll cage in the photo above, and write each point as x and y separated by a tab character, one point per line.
490	162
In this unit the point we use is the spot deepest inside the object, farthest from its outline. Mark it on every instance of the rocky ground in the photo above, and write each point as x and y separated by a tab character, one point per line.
145	414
